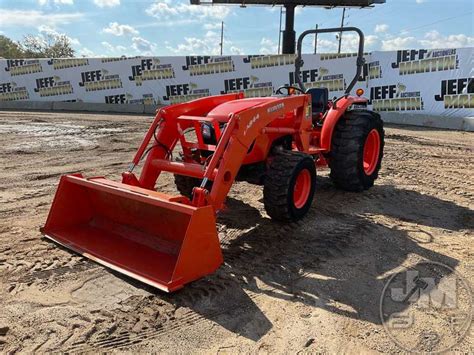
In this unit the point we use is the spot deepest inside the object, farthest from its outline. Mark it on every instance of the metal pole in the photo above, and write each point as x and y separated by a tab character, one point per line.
289	32
222	37
279	30
360	54
316	40
342	26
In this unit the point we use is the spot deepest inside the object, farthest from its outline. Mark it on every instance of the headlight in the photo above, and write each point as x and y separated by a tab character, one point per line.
206	131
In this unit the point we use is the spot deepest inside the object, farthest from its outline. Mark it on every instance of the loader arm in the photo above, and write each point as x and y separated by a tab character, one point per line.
156	238
243	128
164	130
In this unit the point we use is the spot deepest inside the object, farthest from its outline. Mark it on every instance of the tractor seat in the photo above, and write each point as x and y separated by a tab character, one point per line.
319	101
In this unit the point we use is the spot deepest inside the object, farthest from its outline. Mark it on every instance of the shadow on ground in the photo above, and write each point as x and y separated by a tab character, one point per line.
352	253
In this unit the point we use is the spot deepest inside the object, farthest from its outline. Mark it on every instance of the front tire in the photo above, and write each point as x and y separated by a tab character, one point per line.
289	186
357	150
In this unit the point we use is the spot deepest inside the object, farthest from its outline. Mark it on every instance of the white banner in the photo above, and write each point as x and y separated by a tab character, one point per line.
438	82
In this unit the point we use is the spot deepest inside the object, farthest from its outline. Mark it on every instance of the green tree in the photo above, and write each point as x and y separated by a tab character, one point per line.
9	49
47	46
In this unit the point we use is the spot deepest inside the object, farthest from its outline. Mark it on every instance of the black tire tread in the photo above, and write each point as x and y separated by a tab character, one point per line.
347	150
277	183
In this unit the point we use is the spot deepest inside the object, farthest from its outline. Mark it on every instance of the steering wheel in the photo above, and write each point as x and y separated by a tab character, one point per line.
288	88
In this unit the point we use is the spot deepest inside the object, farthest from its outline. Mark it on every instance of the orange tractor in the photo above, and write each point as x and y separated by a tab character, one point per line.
278	141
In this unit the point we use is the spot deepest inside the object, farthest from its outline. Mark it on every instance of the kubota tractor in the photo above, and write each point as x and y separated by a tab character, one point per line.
278	141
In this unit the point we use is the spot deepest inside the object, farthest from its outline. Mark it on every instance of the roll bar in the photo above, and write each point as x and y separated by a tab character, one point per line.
360	54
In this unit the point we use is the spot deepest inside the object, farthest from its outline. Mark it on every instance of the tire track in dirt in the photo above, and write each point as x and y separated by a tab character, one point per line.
120	337
431	146
38	264
441	183
241	264
255	249
198	292
260	260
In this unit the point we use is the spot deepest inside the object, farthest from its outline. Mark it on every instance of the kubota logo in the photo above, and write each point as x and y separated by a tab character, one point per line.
277	107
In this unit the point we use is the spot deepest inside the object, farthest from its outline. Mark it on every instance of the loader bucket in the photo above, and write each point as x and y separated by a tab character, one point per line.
144	234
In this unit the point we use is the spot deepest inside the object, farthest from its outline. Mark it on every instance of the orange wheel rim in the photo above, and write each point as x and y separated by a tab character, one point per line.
302	188
371	151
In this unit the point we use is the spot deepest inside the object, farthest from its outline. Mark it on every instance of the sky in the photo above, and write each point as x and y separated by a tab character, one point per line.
166	27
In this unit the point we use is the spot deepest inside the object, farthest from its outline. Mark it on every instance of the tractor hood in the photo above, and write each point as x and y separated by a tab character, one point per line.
221	112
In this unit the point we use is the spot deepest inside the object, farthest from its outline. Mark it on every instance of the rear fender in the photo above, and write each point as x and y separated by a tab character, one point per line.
333	116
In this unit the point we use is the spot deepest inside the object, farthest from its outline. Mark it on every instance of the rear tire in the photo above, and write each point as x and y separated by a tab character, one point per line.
289	186
357	150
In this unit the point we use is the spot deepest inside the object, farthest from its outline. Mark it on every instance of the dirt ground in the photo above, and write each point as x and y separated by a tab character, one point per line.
311	286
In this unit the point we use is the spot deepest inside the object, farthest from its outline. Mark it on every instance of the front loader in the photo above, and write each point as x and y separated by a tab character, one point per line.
169	240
